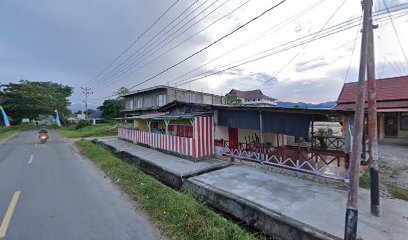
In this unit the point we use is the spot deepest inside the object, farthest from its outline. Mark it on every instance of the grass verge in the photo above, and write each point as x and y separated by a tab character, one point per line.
365	179
399	192
98	130
179	215
7	132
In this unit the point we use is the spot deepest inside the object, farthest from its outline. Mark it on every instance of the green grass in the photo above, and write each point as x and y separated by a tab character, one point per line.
7	132
365	179
179	215
98	130
399	192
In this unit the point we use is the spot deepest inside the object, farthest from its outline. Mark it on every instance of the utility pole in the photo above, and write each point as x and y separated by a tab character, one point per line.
372	123
86	91
350	232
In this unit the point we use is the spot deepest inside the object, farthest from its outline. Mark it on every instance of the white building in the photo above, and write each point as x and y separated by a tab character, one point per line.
253	98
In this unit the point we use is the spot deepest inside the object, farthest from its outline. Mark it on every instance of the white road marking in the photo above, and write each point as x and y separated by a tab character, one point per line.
31	159
9	214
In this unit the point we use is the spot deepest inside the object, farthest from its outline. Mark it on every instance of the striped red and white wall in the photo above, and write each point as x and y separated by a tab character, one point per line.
200	145
203	140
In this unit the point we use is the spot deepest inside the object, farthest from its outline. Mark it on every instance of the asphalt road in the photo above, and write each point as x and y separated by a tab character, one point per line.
56	194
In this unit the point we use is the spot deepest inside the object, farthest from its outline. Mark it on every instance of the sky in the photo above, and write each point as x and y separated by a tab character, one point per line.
82	43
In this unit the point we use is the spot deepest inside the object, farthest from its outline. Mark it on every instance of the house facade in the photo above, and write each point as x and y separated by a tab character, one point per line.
392	105
150	99
253	98
254	134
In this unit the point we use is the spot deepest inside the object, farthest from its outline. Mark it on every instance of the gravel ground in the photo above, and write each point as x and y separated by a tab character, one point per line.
393	165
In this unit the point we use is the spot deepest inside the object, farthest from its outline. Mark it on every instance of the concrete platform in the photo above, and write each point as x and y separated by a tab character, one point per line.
292	208
169	169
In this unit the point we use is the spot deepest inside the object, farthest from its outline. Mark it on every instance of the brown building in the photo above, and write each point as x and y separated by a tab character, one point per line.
392	105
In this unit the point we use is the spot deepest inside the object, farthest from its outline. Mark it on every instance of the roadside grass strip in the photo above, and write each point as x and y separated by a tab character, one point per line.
98	130
399	192
8	132
179	215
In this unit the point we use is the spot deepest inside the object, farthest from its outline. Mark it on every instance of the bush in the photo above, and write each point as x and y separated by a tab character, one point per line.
82	123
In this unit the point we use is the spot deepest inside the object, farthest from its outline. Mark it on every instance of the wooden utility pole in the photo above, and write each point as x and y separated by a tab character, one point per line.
350	232
86	91
372	123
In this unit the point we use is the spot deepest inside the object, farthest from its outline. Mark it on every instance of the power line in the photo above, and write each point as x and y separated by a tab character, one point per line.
154	38
298	44
132	64
212	72
333	29
305	46
134	42
396	33
87	92
211	44
352	54
258	37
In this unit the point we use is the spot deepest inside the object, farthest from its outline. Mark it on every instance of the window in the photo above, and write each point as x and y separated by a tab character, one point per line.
131	104
161	100
139	103
259	99
185	131
404	121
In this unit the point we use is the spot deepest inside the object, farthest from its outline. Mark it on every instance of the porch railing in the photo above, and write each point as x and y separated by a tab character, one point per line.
180	145
331	143
327	163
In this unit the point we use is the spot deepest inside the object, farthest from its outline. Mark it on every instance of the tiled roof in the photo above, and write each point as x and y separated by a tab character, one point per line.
395	88
247	94
380	105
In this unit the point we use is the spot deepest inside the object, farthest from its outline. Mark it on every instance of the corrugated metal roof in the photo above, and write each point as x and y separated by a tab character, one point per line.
147	116
182	116
168	116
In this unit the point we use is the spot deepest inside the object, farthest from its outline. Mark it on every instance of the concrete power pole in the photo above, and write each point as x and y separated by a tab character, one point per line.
86	91
372	123
350	232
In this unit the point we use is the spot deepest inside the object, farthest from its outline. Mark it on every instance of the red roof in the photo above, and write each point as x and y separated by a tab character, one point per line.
391	93
248	94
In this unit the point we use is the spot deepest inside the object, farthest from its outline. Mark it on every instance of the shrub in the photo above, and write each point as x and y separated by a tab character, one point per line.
82	123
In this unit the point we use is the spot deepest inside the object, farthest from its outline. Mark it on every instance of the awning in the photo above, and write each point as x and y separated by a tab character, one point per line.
147	116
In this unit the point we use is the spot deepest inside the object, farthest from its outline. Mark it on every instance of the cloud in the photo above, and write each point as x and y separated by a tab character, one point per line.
71	41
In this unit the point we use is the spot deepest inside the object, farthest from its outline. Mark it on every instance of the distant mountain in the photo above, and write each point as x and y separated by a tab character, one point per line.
325	105
80	107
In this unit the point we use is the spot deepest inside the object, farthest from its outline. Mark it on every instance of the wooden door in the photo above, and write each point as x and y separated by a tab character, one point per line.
391	124
233	137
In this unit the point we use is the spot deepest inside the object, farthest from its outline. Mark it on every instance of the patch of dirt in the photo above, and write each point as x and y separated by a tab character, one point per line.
393	167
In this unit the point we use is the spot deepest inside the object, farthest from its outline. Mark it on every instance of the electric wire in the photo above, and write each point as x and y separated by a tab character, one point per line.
154	38
231	66
134	42
132	64
396	34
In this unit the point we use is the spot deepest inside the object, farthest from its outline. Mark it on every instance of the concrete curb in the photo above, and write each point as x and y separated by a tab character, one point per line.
267	221
272	223
165	176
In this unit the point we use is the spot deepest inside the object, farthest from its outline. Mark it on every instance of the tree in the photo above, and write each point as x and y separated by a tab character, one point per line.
90	111
234	100
78	112
113	108
30	99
